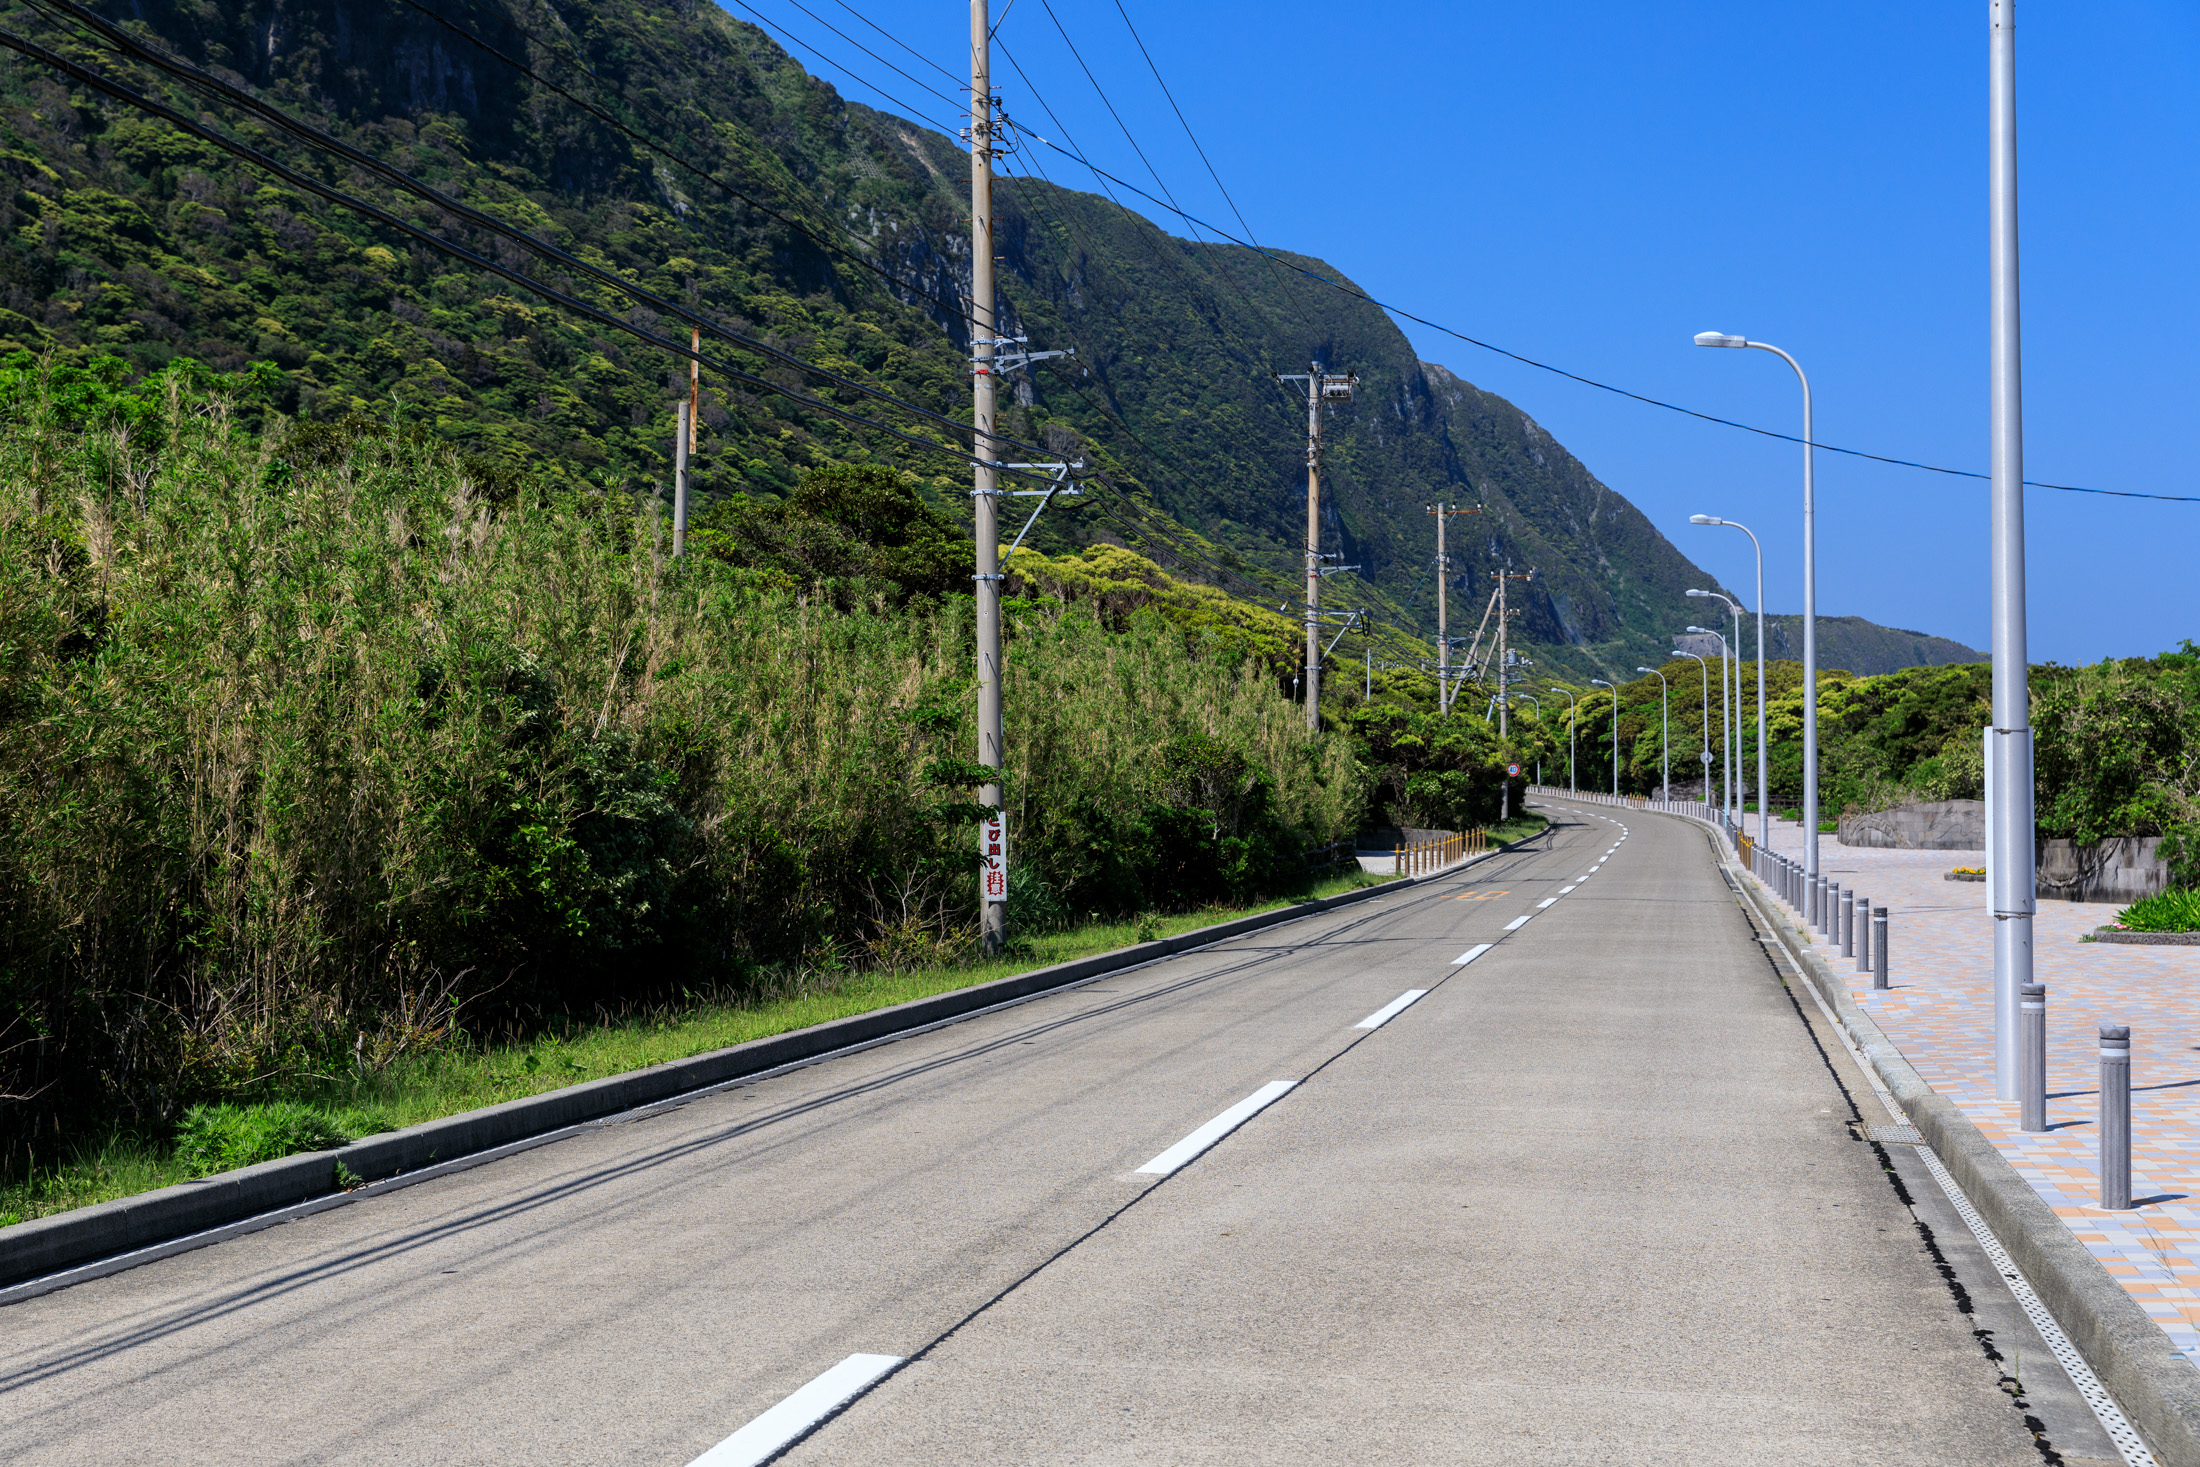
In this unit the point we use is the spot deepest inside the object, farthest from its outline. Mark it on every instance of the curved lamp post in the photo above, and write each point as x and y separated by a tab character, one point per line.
1726	721
1572	706
1600	682
1764	801
1677	653
1734	651
1665	734
1810	606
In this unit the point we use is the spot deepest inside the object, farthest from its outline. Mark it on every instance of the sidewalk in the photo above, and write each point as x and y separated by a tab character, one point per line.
1939	1011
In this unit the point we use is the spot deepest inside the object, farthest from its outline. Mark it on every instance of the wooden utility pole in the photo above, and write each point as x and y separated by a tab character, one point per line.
695	384
986	489
1443	608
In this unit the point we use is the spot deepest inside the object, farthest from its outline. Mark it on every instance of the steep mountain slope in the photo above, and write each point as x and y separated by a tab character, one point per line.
820	227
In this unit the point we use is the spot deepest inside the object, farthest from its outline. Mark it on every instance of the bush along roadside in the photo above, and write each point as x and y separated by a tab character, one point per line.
463	1075
320	751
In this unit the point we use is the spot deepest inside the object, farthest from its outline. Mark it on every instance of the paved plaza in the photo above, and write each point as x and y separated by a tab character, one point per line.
1939	1011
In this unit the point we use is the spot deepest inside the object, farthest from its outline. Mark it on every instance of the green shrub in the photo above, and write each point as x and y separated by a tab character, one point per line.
2169	911
218	1138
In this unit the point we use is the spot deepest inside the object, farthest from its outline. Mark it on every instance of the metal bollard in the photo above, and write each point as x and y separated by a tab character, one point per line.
1861	914
1879	947
2032	1056
1844	918
2116	1117
1818	902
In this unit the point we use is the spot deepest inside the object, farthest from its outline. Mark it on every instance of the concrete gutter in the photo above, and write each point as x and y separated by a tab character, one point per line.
2157	1387
66	1240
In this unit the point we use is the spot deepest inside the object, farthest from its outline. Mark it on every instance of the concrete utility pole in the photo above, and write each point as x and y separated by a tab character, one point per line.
1320	387
2010	886
1504	677
680	429
1443	608
986	490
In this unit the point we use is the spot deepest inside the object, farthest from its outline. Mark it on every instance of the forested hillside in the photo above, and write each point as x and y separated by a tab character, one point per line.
682	152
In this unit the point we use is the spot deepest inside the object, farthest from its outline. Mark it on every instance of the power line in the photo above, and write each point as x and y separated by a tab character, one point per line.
183	71
1236	212
866	50
955	309
1361	295
298	180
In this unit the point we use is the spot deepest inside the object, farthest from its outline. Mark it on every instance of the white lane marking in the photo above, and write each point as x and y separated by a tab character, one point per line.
1471	954
1222	1125
1547	901
1391	1010
1517	923
1564	889
762	1438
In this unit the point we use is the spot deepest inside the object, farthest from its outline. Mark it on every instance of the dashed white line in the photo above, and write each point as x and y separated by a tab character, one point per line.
1471	954
1518	922
1391	1010
1547	901
763	1438
1222	1125
1564	889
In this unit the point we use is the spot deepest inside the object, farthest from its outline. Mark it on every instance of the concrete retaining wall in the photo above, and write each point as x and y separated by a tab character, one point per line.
2120	870
1942	825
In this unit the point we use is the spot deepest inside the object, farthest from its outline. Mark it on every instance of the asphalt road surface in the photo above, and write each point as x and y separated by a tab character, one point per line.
1595	1196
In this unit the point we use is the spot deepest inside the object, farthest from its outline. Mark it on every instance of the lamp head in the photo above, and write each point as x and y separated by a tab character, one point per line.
1646	669
1705	519
1703	631
1694	592
1719	338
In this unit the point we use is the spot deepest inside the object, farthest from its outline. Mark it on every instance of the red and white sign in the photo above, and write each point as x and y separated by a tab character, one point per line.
1513	770
993	847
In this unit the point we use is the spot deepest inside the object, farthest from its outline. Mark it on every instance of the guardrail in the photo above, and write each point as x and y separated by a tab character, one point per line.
1423	857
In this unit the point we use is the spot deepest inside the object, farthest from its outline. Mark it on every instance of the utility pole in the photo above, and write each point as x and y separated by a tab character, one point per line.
1320	387
680	429
1504	678
986	490
1443	608
695	385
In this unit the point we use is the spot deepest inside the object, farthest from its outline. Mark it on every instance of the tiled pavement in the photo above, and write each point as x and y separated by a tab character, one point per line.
1939	1011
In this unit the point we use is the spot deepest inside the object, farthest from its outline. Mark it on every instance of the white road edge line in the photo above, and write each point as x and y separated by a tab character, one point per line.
1518	922
1391	1010
1471	953
1547	901
763	1438
1186	1150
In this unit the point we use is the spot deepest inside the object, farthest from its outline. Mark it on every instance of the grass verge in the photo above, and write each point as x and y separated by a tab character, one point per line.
467	1077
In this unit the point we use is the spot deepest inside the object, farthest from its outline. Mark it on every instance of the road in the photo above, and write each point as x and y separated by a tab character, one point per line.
1594	1197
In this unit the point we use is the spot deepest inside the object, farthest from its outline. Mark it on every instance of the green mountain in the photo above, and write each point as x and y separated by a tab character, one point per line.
683	154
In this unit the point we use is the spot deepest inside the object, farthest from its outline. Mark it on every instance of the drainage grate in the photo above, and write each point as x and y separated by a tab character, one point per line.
1895	1135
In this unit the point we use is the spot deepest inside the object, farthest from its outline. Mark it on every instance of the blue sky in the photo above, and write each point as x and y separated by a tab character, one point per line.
1592	184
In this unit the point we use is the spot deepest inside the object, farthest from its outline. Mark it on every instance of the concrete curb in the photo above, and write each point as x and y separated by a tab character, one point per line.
2158	1388
48	1245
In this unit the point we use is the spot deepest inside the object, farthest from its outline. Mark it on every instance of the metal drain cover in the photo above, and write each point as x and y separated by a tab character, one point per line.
1895	1135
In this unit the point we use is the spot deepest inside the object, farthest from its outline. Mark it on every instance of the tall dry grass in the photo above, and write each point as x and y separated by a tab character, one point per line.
312	751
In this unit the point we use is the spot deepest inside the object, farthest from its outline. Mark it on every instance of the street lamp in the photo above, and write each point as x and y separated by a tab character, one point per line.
1572	707
1600	682
1538	735
1764	801
1810	619
1726	721
1706	723
1733	768
1665	734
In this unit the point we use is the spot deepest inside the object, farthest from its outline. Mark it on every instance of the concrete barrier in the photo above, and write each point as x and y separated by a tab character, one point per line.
1942	825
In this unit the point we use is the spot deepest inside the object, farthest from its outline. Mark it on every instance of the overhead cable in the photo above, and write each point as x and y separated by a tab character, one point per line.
1357	294
295	179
